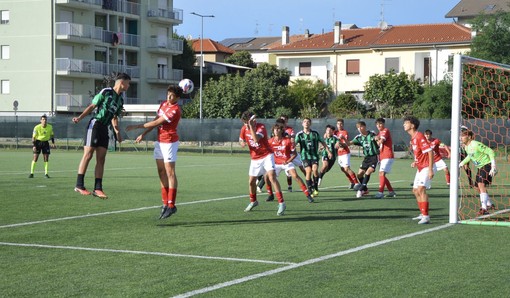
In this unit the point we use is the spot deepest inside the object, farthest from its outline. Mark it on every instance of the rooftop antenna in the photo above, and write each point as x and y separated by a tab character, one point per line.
382	23
257	27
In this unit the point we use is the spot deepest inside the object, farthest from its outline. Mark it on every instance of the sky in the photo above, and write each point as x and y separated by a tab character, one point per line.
261	18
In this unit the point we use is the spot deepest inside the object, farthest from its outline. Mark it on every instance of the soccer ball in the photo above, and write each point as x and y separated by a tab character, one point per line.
186	86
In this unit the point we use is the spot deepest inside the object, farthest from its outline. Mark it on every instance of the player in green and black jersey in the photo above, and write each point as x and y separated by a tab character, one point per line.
368	141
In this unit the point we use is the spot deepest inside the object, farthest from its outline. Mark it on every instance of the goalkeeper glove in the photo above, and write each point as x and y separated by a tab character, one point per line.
493	171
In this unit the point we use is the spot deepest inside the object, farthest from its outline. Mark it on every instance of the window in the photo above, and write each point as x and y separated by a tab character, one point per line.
450	63
4	17
426	70
352	67
392	64
4	52
305	68
5	87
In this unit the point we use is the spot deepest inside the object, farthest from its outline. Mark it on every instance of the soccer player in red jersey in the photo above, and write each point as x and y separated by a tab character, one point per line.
344	153
284	152
289	131
438	159
254	135
165	148
424	162
386	158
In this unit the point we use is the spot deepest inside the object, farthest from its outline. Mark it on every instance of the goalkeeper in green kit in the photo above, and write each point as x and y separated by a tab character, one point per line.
484	160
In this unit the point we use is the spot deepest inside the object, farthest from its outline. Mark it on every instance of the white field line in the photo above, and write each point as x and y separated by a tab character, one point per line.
135	209
143	253
308	262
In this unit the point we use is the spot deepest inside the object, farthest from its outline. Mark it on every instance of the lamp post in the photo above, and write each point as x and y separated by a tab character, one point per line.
201	53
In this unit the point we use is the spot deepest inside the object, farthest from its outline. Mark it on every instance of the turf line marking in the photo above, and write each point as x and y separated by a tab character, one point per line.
144	253
308	262
136	209
112	212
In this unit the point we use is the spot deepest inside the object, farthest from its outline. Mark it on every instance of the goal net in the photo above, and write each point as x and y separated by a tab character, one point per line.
480	103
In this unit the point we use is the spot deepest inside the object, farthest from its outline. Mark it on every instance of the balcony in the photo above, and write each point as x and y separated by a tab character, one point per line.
122	6
92	69
163	45
78	33
159	76
80	4
117	38
66	102
165	16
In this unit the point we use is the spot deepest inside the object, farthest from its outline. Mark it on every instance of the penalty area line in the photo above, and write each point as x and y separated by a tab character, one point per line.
143	253
113	212
307	262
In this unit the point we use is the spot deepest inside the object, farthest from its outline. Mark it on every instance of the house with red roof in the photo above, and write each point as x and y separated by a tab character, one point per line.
346	58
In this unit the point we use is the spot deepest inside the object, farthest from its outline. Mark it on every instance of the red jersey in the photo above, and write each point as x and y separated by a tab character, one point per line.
258	149
167	132
386	151
339	134
290	132
421	147
282	149
434	143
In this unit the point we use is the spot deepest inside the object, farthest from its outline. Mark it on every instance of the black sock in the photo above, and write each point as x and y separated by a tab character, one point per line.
98	184
80	181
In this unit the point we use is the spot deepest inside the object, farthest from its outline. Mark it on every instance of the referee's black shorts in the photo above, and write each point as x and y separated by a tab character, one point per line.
42	146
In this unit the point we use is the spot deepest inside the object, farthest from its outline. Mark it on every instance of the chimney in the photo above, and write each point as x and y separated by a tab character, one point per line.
285	35
337	31
307	33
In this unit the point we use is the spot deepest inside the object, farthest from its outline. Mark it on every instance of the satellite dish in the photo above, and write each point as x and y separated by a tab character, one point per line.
189	37
383	25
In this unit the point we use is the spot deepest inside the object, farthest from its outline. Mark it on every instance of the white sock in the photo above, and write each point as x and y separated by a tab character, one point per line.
484	197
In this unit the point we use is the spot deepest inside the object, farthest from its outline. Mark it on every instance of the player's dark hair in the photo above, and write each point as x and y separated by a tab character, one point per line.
280	121
468	133
175	89
122	76
44	116
246	115
428	132
284	117
413	120
380	120
340	120
361	123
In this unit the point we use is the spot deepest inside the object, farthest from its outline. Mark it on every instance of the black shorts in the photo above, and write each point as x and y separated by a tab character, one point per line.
482	176
42	146
331	162
97	134
309	162
369	162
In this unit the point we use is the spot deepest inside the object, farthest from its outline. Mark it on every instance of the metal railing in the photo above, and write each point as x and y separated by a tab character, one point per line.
68	65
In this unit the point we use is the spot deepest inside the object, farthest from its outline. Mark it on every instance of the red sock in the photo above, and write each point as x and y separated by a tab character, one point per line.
381	183
279	196
424	207
353	178
388	184
164	195
305	190
269	190
447	178
172	195
253	197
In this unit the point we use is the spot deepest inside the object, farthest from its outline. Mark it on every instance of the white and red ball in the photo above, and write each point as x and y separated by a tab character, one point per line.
186	86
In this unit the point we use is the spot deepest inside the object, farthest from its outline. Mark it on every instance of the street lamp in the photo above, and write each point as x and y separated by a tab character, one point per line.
201	53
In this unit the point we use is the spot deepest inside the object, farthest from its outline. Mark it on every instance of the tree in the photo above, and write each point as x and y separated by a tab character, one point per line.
346	106
312	97
435	102
392	95
262	90
241	58
492	37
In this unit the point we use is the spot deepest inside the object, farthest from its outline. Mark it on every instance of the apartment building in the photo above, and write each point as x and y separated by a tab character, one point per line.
55	54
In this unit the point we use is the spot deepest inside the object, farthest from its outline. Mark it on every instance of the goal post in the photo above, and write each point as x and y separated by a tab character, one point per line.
481	102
